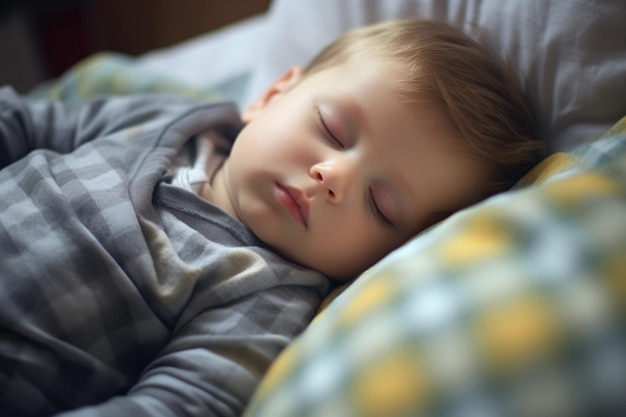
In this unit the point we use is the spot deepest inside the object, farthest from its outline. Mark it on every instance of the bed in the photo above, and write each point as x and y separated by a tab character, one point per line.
513	307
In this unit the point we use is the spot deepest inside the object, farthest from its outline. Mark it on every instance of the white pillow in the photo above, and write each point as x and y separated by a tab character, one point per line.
571	54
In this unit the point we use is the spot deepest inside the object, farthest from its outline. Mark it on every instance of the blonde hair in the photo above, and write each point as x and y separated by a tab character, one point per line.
477	91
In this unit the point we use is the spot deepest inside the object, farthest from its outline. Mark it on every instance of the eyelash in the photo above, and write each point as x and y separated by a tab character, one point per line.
378	214
328	134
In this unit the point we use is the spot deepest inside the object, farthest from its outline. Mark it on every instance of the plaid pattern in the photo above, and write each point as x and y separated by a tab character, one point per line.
119	293
515	307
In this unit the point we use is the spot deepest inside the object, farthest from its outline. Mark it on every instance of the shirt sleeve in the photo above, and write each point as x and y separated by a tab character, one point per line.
29	124
214	363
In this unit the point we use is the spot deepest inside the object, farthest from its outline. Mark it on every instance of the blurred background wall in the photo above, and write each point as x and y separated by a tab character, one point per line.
39	39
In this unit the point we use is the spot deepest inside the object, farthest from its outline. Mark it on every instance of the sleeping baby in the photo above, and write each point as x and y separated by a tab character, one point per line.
158	253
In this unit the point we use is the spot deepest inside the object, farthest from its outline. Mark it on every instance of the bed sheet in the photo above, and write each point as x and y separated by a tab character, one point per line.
220	60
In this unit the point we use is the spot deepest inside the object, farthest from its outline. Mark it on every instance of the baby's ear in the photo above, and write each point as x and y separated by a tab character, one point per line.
275	89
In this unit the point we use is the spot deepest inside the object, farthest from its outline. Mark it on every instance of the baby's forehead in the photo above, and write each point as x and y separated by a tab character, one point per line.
361	58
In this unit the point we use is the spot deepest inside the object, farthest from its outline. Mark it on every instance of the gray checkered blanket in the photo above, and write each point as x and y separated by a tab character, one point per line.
120	294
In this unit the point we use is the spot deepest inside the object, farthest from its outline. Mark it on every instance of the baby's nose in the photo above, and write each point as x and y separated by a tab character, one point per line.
333	179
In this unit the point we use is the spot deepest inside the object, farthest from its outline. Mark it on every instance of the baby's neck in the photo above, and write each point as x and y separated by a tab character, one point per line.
216	190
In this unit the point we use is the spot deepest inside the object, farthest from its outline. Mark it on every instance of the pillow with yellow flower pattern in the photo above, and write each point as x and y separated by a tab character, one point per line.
514	307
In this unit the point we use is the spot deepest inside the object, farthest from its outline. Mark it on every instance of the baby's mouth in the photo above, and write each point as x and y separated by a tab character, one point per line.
294	203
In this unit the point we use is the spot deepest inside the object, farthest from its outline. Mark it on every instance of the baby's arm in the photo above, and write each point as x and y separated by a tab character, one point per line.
26	124
213	363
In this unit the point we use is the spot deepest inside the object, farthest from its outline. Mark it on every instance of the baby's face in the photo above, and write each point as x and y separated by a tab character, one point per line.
335	170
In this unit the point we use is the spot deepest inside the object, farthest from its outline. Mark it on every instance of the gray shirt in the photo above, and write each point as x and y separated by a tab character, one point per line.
122	295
